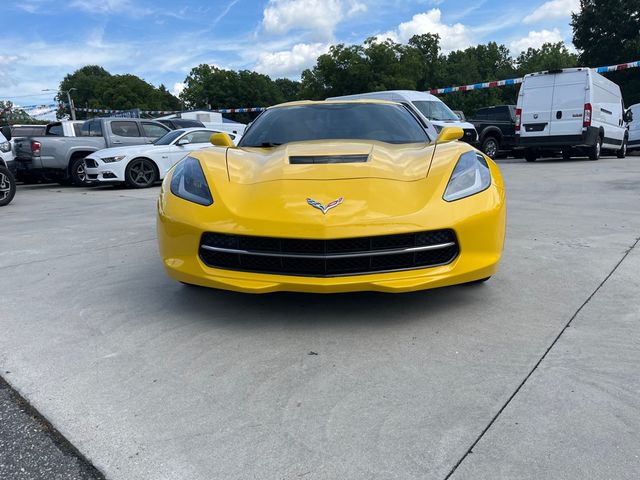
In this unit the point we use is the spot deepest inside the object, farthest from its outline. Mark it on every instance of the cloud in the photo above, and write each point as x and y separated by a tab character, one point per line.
319	17
109	7
535	40
452	37
290	62
177	89
552	9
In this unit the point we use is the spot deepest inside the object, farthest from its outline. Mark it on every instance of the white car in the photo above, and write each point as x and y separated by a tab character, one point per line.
141	166
634	128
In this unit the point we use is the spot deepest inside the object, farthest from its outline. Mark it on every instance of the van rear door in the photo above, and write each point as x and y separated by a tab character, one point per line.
536	97
569	93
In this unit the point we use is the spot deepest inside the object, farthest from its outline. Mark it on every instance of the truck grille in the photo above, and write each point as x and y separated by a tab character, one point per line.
329	258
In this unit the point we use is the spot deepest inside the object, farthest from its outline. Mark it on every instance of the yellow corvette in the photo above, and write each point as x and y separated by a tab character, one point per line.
333	196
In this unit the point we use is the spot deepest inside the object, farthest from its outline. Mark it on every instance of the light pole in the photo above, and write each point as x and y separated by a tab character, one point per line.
72	107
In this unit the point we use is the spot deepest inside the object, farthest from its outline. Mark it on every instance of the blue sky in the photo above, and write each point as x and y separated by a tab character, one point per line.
161	40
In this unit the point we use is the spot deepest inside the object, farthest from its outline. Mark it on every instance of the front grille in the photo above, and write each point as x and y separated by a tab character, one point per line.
329	258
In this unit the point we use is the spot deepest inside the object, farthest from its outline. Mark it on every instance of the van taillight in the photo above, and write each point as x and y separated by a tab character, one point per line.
35	147
518	119
586	117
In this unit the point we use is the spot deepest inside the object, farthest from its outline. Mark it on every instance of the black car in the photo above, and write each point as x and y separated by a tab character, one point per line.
175	123
496	128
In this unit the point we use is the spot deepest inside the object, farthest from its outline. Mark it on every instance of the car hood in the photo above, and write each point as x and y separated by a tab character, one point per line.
115	151
322	160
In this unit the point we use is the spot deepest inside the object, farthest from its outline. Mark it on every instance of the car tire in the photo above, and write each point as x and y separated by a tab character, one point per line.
7	186
596	150
623	149
490	146
141	173
78	172
566	153
530	155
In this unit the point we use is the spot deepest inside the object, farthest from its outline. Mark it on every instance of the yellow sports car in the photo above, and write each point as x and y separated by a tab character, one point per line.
333	196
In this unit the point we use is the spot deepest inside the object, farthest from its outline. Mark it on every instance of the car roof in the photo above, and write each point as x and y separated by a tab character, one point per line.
326	102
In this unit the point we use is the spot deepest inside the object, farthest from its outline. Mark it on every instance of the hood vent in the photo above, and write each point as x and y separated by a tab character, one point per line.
323	159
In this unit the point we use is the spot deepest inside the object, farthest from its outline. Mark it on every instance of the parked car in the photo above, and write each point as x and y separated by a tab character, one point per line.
427	107
62	158
175	123
575	110
141	166
634	127
496	127
7	180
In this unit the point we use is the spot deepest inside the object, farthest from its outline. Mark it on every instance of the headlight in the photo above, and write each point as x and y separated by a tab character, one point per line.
470	176
113	159
188	182
5	147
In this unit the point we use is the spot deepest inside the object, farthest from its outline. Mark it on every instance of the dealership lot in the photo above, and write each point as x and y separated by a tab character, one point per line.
152	379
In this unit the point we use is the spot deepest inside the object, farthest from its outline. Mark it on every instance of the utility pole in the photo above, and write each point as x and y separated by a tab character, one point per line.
72	107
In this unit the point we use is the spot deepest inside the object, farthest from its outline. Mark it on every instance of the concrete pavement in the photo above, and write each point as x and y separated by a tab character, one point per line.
152	379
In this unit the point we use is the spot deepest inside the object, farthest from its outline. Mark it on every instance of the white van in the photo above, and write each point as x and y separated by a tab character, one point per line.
428	107
575	110
634	128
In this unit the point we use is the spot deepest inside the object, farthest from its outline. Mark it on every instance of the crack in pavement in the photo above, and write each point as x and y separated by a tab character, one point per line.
544	355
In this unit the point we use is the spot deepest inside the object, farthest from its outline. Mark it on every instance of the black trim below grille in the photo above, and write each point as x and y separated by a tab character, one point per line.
329	258
319	159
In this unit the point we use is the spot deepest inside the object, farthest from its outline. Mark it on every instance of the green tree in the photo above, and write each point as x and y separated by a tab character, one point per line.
97	88
607	32
549	56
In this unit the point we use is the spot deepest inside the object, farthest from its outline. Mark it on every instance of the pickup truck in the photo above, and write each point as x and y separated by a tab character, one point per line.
62	158
496	127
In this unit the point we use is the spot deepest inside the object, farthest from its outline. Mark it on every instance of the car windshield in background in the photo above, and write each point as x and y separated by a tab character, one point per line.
168	137
334	121
435	110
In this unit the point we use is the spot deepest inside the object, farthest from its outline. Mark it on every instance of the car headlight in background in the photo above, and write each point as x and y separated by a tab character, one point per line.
188	182
470	176
113	159
5	147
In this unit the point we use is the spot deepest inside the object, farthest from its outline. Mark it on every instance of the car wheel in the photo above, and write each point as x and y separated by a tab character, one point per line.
566	153
596	150
141	173
490	146
7	186
530	155
623	149
78	172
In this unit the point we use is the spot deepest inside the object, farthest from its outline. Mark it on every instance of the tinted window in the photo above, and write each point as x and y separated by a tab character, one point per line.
482	114
168	138
201	136
347	121
92	128
125	128
500	113
56	130
435	110
152	130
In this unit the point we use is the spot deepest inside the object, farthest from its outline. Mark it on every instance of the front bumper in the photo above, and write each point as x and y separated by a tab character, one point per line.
101	172
478	222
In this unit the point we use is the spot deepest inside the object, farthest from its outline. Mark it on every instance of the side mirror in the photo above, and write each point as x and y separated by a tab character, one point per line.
6	131
182	142
627	117
221	140
449	134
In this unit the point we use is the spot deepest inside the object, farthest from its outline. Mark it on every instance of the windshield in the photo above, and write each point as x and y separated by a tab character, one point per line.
435	110
334	121
168	137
